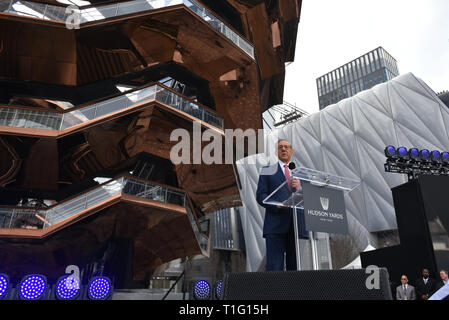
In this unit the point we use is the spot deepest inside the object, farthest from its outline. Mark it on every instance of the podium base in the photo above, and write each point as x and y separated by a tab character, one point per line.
306	285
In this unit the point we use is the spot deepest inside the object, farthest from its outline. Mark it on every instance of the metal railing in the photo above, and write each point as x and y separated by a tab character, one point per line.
201	238
21	117
41	218
101	12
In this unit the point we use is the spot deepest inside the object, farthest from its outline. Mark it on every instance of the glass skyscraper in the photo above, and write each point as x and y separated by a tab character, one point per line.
363	73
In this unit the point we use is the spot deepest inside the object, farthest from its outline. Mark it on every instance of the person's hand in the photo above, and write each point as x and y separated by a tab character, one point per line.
425	297
282	207
296	184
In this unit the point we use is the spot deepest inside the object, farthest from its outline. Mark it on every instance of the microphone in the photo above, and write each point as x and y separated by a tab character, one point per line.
292	166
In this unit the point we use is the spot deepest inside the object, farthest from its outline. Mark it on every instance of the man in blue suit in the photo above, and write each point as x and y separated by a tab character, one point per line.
278	227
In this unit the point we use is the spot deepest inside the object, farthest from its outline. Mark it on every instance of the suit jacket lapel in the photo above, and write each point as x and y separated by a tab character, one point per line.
280	176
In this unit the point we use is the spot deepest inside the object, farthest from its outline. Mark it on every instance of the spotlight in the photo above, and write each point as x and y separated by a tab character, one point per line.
390	152
5	285
32	287
424	155
445	157
67	288
100	288
413	154
435	156
201	290
402	153
219	290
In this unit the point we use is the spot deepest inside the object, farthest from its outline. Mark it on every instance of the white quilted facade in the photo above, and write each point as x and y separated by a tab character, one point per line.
348	139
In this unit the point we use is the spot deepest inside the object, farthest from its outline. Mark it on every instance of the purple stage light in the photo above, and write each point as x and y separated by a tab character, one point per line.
32	287
424	154
436	155
99	288
219	290
402	151
201	290
414	153
67	288
445	156
390	151
4	285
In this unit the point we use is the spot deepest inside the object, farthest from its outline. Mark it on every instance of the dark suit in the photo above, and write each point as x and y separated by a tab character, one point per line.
424	289
278	223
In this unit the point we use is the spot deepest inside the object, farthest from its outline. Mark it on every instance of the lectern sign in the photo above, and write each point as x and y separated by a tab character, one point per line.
324	209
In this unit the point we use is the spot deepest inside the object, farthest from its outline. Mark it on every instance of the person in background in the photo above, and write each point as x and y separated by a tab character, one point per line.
425	286
444	293
443	280
405	291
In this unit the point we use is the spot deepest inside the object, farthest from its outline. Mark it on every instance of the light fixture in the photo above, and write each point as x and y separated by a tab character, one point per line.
201	290
445	157
99	288
5	285
32	287
219	290
402	153
414	162
390	152
424	155
413	154
436	156
67	288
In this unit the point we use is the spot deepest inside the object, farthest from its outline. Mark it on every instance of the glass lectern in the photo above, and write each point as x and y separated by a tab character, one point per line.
286	196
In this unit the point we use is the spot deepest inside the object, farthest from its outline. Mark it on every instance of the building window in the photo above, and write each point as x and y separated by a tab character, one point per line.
359	68
371	61
376	59
362	62
354	69
342	79
345	74
368	67
361	84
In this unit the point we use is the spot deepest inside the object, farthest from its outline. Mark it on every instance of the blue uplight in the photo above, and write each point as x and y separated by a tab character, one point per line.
436	155
445	156
4	285
201	290
32	287
414	153
99	288
390	151
67	288
424	154
219	290
402	152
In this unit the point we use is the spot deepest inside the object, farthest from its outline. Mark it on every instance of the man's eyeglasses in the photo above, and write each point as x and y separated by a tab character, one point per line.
284	147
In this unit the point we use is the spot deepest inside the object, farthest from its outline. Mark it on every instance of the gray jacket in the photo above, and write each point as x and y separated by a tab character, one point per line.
411	294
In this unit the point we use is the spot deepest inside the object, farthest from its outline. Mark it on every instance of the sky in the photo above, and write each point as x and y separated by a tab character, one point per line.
334	32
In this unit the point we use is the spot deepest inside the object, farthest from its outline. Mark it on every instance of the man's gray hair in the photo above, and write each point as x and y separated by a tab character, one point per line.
280	140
